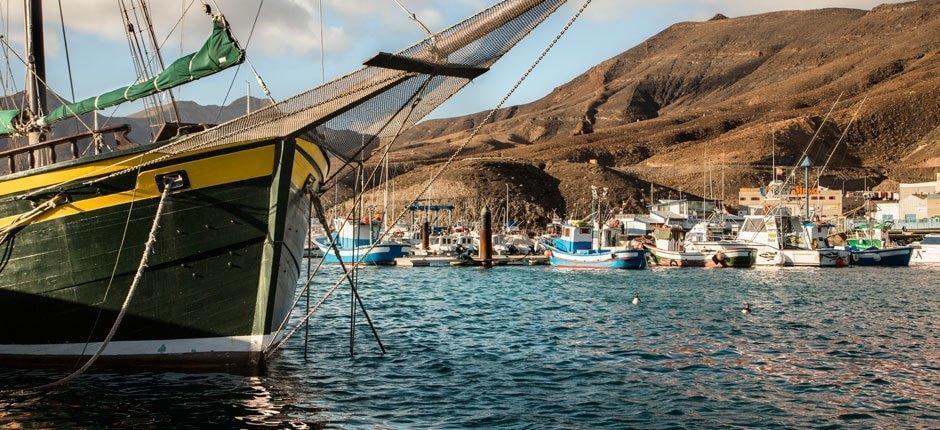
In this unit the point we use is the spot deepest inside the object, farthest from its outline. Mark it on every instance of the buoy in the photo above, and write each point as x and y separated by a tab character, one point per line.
746	309
636	299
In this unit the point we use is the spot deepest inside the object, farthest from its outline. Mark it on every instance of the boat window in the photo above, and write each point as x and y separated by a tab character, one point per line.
567	232
753	225
585	230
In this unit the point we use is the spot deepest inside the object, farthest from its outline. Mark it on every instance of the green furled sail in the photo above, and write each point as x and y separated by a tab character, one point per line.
6	121
218	53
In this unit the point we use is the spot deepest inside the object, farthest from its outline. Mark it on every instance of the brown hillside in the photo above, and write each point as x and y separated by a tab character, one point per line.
713	93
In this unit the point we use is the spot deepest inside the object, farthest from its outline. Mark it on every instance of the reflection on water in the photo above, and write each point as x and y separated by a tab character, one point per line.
536	347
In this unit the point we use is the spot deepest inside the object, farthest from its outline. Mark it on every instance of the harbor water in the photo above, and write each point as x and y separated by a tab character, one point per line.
537	347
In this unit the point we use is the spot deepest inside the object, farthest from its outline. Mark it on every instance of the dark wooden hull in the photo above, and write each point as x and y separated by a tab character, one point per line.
221	279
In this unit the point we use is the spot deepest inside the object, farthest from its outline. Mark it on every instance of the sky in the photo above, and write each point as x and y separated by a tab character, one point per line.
285	47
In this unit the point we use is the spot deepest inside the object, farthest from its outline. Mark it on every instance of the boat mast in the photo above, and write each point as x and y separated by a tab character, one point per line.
156	51
36	75
506	226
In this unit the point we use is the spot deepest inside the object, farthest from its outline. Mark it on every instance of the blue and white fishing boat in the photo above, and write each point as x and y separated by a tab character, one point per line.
354	242
575	249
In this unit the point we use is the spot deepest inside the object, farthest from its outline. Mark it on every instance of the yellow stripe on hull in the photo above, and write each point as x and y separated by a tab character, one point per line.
202	173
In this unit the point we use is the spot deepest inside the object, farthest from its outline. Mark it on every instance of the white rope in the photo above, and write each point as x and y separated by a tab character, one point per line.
141	267
434	177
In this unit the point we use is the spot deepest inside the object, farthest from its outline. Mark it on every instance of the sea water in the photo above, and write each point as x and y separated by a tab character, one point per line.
537	347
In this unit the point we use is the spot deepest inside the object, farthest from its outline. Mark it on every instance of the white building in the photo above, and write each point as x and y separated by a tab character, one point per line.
886	210
915	198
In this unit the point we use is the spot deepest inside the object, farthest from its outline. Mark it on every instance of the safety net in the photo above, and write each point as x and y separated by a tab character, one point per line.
396	91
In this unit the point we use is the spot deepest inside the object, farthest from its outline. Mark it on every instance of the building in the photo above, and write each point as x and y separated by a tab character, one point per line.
919	201
886	210
690	209
825	203
635	224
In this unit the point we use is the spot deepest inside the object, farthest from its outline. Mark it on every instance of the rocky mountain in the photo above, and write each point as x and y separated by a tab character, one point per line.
725	94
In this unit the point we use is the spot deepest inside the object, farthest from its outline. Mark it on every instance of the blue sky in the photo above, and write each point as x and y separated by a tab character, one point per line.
286	45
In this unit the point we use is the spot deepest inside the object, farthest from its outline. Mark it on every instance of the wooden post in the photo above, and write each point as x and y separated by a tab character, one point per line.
486	238
425	235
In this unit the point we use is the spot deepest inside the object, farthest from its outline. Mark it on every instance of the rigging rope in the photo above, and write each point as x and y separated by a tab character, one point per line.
838	142
434	177
27	218
141	267
239	66
43	83
65	42
414	100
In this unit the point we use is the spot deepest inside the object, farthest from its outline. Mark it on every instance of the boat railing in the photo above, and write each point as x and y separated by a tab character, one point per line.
119	133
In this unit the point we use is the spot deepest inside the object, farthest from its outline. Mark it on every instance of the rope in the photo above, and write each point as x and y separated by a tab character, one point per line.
433	178
144	259
65	42
27	218
239	66
842	137
415	99
43	82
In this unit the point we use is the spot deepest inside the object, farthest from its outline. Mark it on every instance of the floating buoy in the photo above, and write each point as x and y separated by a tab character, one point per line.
746	309
636	299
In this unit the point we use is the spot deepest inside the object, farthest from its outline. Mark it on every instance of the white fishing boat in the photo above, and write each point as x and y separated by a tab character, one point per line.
451	244
783	240
927	251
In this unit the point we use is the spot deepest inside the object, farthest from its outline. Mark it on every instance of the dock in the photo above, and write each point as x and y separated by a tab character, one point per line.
448	261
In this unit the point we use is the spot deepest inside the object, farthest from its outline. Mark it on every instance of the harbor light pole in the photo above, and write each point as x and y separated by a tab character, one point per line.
806	164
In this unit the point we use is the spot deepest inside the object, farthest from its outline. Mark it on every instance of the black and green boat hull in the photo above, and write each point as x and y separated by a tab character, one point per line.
218	286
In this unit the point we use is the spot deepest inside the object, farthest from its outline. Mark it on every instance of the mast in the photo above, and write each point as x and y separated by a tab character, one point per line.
506	227
156	51
36	75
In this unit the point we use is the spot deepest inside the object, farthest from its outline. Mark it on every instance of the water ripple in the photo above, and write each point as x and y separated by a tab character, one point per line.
536	347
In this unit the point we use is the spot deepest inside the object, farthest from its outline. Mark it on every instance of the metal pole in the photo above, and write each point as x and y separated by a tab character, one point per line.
806	187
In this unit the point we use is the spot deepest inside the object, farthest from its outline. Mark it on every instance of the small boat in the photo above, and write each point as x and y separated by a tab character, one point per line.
667	249
452	244
355	242
511	244
707	238
885	257
927	251
575	249
870	247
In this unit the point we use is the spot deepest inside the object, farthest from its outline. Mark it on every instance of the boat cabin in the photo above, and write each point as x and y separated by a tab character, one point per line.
356	234
574	238
782	232
669	238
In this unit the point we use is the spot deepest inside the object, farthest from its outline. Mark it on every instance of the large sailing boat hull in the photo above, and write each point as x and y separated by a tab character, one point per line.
219	284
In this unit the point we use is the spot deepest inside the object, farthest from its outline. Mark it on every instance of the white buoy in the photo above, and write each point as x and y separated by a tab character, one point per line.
746	309
636	299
